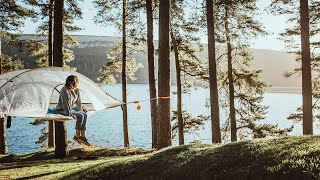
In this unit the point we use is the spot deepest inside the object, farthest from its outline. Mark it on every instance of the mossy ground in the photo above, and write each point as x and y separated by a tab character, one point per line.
277	158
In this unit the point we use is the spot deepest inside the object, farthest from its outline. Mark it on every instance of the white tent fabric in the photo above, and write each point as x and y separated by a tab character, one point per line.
30	92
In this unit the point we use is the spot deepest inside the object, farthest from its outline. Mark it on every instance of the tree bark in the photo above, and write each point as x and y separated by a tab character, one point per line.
179	91
152	81
214	96
230	78
0	56
306	68
50	63
3	137
50	42
164	126
58	33
61	148
51	134
124	76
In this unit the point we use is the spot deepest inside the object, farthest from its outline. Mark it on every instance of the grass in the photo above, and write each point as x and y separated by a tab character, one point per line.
277	158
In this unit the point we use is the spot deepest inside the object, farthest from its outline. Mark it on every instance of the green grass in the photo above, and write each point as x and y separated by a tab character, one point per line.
278	158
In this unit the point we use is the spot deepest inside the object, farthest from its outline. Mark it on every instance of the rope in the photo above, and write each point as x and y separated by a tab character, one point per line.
138	101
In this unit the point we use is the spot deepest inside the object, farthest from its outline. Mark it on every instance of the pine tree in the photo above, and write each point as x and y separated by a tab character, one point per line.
108	14
248	88
152	81
304	26
164	126
306	68
124	75
214	96
61	144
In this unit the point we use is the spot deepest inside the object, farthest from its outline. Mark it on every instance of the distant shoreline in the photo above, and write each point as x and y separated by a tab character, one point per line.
273	89
287	90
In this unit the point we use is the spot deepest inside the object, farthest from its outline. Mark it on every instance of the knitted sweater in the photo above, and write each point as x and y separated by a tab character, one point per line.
67	99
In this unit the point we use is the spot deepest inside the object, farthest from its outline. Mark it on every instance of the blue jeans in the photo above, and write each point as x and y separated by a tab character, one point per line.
81	123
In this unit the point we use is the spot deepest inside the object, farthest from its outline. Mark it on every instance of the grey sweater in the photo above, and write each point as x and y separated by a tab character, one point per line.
67	99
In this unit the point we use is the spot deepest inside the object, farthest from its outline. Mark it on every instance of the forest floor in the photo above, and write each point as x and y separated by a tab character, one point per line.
275	158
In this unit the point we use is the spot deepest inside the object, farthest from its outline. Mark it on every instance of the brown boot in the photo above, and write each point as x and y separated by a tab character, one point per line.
83	138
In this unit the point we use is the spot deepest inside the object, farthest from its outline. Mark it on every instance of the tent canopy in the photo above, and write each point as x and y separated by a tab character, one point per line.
30	92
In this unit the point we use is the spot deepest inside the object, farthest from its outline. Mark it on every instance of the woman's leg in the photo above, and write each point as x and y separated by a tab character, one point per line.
80	119
84	122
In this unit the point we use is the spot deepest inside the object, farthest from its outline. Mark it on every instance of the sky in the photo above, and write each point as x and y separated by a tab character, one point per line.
273	24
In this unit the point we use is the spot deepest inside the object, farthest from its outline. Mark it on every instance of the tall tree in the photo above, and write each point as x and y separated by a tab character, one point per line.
232	110
50	63
108	14
185	46
152	81
50	36
124	76
214	96
164	126
306	68
303	20
179	89
61	144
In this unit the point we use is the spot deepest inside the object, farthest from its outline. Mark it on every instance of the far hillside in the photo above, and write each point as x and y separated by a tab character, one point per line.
91	55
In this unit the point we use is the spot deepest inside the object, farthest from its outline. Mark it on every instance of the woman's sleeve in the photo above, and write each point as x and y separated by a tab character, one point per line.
65	101
78	102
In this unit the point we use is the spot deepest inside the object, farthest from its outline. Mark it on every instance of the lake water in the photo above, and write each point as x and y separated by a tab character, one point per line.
105	128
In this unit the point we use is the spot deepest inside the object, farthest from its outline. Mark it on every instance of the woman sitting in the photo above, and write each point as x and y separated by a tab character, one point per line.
70	96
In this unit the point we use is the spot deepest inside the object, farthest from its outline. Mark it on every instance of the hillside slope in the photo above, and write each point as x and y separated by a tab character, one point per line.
278	158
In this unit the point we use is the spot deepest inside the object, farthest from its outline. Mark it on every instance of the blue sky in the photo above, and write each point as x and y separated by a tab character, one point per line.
273	24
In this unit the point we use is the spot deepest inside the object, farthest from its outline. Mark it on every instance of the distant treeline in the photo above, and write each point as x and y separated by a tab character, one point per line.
91	55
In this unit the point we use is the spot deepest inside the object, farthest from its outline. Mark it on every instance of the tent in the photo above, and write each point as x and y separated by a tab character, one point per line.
31	92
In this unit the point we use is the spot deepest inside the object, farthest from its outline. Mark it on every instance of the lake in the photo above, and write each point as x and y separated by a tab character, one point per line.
104	128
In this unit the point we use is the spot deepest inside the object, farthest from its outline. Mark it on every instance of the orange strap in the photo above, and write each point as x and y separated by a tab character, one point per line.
138	101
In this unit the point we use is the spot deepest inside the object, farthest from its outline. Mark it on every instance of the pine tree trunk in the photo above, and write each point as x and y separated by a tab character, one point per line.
61	148
164	126
306	68
3	137
179	91
50	63
0	55
61	143
50	43
124	76
152	81
230	77
214	96
51	134
58	33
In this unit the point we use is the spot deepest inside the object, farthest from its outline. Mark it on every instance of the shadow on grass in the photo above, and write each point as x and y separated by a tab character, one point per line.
38	175
75	154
